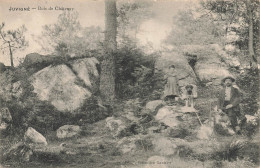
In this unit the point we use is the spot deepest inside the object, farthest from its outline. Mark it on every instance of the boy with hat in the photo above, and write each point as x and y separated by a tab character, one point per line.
228	102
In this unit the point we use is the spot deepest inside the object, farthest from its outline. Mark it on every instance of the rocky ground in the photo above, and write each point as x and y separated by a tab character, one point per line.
128	139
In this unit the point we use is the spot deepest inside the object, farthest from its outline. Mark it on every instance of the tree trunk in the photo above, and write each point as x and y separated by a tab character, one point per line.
11	55
107	76
253	61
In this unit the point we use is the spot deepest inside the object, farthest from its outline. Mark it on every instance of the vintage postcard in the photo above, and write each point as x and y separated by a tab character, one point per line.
129	83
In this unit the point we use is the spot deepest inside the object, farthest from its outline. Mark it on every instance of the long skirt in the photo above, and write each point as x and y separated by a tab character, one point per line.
171	87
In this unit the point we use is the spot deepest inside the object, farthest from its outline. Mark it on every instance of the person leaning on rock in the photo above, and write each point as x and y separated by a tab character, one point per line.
228	102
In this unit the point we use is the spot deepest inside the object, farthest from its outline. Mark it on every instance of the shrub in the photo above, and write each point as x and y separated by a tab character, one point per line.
249	83
136	75
238	164
238	150
144	144
92	111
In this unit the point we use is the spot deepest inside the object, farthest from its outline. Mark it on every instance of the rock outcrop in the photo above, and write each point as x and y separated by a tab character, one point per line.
178	122
184	71
212	62
66	86
169	116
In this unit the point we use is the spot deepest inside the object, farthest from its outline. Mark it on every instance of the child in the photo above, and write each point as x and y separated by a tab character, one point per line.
171	88
189	94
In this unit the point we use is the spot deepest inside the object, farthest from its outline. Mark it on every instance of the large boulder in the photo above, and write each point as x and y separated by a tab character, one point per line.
31	136
169	116
178	123
184	70
68	131
212	62
66	86
86	70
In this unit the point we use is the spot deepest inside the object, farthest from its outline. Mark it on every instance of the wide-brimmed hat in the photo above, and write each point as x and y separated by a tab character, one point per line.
228	77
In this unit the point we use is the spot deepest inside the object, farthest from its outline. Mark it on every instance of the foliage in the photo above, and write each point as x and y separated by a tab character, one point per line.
135	73
12	40
92	111
237	150
28	110
221	22
249	83
68	37
196	29
238	164
144	144
241	18
130	17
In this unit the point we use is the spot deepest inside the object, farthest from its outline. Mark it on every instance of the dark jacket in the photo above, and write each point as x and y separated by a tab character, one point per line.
235	98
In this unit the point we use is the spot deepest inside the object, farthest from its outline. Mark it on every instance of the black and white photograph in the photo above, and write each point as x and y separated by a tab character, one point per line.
129	83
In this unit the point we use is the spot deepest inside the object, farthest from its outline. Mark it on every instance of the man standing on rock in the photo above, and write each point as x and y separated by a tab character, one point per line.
228	102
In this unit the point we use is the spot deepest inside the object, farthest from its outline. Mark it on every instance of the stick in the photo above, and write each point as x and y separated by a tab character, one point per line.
198	118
